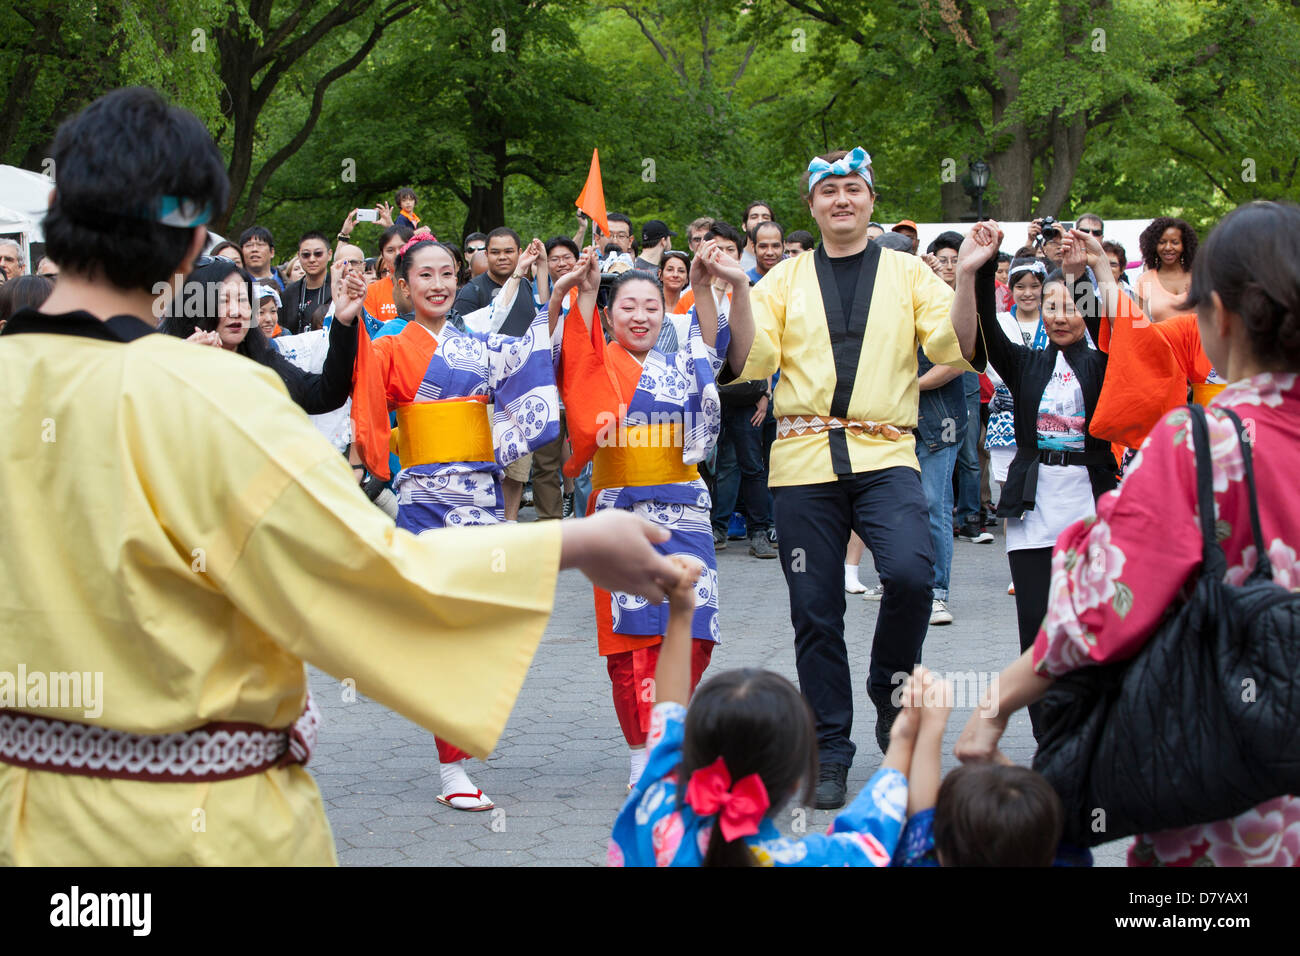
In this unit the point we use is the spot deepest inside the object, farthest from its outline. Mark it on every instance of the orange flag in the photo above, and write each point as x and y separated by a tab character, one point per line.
370	430
592	199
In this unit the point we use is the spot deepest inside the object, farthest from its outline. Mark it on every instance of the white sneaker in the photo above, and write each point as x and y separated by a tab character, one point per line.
939	613
874	594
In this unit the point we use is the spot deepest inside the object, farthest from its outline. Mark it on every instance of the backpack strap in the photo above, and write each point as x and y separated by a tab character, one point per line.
1213	561
1263	567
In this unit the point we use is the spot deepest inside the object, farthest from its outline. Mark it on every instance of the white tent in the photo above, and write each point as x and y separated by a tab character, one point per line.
28	194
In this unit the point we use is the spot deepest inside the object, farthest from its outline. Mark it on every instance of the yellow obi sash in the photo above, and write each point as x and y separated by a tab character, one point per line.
1201	394
431	433
642	455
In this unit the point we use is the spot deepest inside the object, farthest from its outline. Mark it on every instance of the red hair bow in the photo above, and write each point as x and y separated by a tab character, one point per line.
740	809
420	235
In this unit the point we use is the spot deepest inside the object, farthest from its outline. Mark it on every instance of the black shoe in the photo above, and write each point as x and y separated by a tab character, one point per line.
719	540
568	506
885	717
974	533
832	784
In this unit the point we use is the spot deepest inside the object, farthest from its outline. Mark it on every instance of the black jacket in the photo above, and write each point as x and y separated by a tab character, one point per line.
317	394
1026	373
481	290
293	317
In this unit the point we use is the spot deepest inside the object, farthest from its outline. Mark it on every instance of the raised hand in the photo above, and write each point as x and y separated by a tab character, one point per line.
615	550
352	294
980	245
204	338
349	224
385	214
530	255
588	275
681	596
699	265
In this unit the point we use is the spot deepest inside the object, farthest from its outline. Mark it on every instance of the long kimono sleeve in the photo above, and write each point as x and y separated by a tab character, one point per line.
1114	575
440	627
521	381
867	831
768	306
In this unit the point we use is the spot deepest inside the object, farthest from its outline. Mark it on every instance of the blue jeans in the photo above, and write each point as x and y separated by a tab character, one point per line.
968	459
936	482
582	496
741	471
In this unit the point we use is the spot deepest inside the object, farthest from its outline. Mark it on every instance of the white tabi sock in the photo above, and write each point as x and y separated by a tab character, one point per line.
455	779
851	582
639	756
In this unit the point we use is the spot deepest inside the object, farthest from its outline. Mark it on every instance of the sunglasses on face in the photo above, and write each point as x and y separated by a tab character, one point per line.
1091	232
318	254
473	249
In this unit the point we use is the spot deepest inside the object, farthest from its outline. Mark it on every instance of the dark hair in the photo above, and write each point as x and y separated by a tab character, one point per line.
1004	257
318	314
565	241
753	205
1026	252
753	232
1090	215
1015	279
1252	260
1150	239
633	275
831	157
994	815
406	232
216	250
475	236
24	292
500	231
946	240
757	722
803	237
1110	245
202	285
256	232
402	266
676	254
619	217
405	193
462	264
314	234
722	230
116	159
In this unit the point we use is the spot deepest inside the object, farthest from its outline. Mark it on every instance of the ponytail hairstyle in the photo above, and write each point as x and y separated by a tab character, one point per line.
758	723
1252	260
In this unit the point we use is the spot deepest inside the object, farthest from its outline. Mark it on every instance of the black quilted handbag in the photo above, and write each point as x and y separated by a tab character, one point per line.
1204	722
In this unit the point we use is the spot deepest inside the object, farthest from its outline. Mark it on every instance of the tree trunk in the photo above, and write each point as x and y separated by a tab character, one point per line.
486	208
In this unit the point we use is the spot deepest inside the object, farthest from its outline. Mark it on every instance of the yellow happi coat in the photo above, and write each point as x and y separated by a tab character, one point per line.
173	520
910	305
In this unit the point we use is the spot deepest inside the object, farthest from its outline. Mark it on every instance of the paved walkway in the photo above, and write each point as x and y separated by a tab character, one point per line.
559	774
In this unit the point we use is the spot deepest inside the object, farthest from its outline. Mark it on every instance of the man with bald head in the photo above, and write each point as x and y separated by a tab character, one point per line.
478	264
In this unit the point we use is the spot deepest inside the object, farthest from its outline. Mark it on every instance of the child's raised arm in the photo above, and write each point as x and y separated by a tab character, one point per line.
933	700
673	672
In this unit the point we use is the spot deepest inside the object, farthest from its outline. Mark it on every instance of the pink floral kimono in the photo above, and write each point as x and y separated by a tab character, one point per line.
1113	576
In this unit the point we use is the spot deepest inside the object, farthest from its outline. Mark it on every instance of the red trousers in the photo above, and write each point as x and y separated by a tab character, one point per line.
632	675
449	753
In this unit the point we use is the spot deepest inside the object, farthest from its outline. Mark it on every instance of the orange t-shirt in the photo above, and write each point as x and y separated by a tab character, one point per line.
1147	372
379	299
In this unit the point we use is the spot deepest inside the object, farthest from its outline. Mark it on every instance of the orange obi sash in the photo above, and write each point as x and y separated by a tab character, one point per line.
454	429
1202	393
642	455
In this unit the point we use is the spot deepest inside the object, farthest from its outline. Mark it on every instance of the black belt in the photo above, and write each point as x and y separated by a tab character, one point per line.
1059	456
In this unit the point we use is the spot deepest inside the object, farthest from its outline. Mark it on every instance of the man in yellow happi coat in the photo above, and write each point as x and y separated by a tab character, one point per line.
842	324
179	539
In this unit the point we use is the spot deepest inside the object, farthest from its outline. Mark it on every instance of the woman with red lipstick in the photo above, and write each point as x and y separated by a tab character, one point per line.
1168	248
645	420
439	380
1059	469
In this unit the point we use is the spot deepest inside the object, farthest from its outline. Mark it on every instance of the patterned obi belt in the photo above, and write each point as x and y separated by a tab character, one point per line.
642	455
433	433
207	754
788	425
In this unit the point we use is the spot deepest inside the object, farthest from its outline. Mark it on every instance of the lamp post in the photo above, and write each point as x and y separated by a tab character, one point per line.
979	179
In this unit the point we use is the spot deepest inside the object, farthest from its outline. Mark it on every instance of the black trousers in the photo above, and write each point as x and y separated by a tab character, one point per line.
1031	573
888	511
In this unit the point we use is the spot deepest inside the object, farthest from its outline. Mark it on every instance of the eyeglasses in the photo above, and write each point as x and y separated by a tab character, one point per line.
354	263
470	250
1091	232
946	260
318	254
620	235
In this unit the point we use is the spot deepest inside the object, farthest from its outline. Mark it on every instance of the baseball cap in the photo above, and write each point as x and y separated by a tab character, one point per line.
654	230
905	223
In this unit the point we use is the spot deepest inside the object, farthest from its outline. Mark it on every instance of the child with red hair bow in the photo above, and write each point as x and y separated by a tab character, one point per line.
718	774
